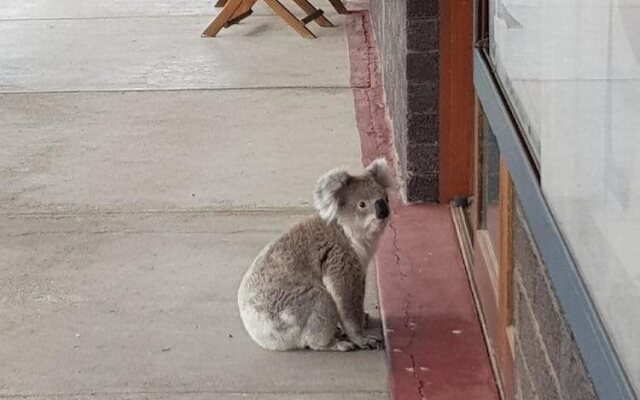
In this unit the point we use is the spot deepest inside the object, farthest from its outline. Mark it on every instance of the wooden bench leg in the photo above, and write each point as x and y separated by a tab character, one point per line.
310	9
229	10
245	7
289	18
338	5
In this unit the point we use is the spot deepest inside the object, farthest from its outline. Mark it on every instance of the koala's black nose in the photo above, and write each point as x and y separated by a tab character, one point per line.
382	210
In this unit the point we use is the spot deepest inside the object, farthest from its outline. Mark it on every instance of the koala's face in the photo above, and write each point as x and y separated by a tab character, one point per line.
363	204
358	202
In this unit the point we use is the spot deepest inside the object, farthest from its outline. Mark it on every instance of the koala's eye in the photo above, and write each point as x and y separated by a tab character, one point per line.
362	204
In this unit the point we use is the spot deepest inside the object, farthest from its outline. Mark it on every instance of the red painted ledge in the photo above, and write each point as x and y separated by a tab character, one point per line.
435	349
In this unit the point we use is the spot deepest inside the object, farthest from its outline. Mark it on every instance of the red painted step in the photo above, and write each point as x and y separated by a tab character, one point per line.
434	342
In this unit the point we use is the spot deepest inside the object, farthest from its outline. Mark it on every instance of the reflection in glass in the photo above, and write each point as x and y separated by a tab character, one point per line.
490	184
571	70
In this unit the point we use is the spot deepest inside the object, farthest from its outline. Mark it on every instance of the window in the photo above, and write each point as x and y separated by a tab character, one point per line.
490	187
571	72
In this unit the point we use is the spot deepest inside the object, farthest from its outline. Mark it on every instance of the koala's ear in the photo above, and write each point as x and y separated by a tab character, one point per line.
326	194
379	170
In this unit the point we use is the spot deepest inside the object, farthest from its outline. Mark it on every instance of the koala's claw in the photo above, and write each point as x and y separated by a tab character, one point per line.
369	342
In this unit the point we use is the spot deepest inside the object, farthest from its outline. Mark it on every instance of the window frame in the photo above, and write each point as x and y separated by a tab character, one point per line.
492	262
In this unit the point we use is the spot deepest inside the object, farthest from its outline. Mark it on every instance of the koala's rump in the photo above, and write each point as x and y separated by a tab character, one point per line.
279	292
275	309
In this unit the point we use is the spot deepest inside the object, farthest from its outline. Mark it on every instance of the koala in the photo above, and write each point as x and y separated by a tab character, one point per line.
306	289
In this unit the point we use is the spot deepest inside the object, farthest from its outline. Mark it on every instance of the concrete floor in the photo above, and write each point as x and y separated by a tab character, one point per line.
142	168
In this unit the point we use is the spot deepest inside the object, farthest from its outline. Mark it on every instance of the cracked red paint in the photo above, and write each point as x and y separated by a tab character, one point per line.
435	348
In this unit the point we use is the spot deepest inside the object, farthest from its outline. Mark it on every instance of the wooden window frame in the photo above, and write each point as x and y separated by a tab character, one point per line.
456	100
492	273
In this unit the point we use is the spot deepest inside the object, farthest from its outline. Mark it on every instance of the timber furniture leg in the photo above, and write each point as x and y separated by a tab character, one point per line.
246	6
241	13
310	9
222	18
289	18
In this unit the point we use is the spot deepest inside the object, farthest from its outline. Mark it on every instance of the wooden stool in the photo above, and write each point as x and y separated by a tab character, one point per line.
234	11
337	4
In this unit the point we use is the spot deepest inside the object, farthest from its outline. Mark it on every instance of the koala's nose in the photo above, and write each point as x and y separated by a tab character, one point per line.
382	210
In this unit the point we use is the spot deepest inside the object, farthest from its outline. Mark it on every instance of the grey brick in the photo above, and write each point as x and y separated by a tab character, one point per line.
422	8
422	157
530	278
408	41
423	98
533	275
524	382
423	128
422	67
574	380
533	352
423	35
422	187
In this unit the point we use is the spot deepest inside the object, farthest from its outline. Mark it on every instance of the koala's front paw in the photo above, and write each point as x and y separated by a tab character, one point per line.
340	335
368	342
344	345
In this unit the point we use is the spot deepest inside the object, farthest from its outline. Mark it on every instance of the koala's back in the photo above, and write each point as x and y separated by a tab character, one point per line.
291	265
282	291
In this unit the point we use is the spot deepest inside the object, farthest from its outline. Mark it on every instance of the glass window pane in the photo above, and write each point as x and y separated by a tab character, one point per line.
571	70
490	185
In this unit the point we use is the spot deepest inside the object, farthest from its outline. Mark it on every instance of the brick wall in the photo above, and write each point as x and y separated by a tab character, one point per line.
408	42
548	363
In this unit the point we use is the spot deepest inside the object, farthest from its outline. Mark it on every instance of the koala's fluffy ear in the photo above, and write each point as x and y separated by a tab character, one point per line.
326	194
379	170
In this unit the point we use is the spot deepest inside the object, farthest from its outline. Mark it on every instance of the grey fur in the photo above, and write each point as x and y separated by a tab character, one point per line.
311	280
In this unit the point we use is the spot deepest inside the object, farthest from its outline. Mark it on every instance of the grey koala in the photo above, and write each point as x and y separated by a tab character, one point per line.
311	280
